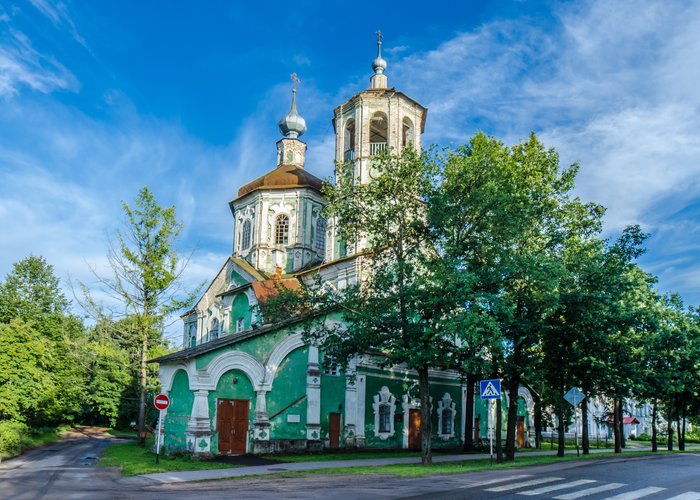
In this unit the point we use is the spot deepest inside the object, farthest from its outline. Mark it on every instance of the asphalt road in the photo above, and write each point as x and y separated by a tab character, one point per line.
67	471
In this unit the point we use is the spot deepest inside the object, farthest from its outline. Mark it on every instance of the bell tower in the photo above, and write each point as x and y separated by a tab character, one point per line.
378	118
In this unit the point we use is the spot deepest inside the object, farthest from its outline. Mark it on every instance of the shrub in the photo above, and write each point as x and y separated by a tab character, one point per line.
12	434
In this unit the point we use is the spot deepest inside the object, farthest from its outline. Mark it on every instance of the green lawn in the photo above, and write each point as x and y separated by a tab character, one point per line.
342	455
133	460
417	470
122	433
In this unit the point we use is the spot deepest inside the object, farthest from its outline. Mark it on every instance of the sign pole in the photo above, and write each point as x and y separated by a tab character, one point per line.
161	402
160	426
491	429
576	425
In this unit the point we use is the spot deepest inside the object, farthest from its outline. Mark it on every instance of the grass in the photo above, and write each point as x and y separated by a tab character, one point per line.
122	433
417	470
43	435
133	460
342	455
21	439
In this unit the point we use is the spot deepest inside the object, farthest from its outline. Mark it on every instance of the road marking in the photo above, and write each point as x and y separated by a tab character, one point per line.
497	480
631	495
591	491
547	489
524	484
688	495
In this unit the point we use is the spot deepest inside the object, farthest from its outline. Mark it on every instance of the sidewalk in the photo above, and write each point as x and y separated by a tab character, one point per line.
206	475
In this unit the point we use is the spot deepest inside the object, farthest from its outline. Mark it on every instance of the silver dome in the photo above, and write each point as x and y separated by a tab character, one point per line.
293	125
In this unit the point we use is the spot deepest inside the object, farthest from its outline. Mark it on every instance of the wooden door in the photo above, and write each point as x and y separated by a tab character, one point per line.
414	429
334	429
521	432
232	425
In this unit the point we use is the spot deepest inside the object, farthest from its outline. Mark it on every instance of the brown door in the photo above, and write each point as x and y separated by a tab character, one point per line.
334	429
414	429
521	432
232	425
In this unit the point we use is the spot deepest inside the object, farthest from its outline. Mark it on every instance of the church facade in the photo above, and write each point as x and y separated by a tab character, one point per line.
244	386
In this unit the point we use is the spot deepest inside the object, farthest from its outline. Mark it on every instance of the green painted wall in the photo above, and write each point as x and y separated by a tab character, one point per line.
259	347
399	385
175	421
332	400
240	308
236	278
288	387
227	389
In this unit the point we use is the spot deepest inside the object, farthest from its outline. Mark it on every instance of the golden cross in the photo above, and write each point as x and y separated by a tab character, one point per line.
295	80
379	36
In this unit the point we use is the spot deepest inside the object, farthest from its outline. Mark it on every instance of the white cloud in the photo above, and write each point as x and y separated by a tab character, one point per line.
612	85
21	65
57	13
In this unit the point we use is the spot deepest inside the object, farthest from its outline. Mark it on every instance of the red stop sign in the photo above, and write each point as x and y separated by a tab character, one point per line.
161	401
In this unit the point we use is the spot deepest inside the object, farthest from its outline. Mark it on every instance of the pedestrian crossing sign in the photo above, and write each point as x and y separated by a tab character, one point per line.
490	389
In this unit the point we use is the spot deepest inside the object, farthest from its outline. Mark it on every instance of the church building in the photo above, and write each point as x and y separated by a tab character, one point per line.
243	385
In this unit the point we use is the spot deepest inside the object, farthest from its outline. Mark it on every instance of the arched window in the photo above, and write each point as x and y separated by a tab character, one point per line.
245	235
349	141
321	235
378	133
407	135
282	230
446	417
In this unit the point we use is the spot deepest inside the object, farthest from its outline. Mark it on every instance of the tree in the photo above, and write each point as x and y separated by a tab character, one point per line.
393	311
33	308
31	292
145	282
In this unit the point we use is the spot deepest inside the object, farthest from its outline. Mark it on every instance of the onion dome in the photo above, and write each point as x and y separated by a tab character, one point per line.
379	64
293	125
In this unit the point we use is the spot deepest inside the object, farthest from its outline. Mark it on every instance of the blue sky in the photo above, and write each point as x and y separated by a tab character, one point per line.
100	98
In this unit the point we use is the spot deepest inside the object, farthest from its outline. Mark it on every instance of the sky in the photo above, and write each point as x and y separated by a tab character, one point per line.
98	99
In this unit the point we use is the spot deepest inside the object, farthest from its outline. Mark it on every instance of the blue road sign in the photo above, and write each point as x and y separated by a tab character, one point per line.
490	389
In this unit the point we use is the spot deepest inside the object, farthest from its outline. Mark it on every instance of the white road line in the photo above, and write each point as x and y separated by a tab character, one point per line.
631	495
502	479
688	495
591	491
547	489
523	484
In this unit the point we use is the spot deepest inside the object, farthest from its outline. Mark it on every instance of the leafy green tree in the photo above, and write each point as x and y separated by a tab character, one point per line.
145	282
393	310
31	291
35	309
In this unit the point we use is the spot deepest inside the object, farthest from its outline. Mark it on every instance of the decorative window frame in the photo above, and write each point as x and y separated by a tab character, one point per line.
246	234
446	403
384	397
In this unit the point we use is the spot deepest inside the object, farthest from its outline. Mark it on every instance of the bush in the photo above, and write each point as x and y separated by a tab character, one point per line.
642	437
12	434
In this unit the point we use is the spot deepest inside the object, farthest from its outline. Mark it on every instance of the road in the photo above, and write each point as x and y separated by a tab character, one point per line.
67	470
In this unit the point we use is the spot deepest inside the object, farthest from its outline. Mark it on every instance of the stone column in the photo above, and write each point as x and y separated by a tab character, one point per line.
313	401
199	430
360	382
261	420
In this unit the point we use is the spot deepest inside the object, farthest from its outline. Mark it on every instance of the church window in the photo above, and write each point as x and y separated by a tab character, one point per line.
240	325
246	234
384	408
446	417
320	235
214	329
282	230
407	135
384	417
349	141
378	133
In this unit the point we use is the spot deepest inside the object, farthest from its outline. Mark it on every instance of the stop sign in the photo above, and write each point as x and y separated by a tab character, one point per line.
161	401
